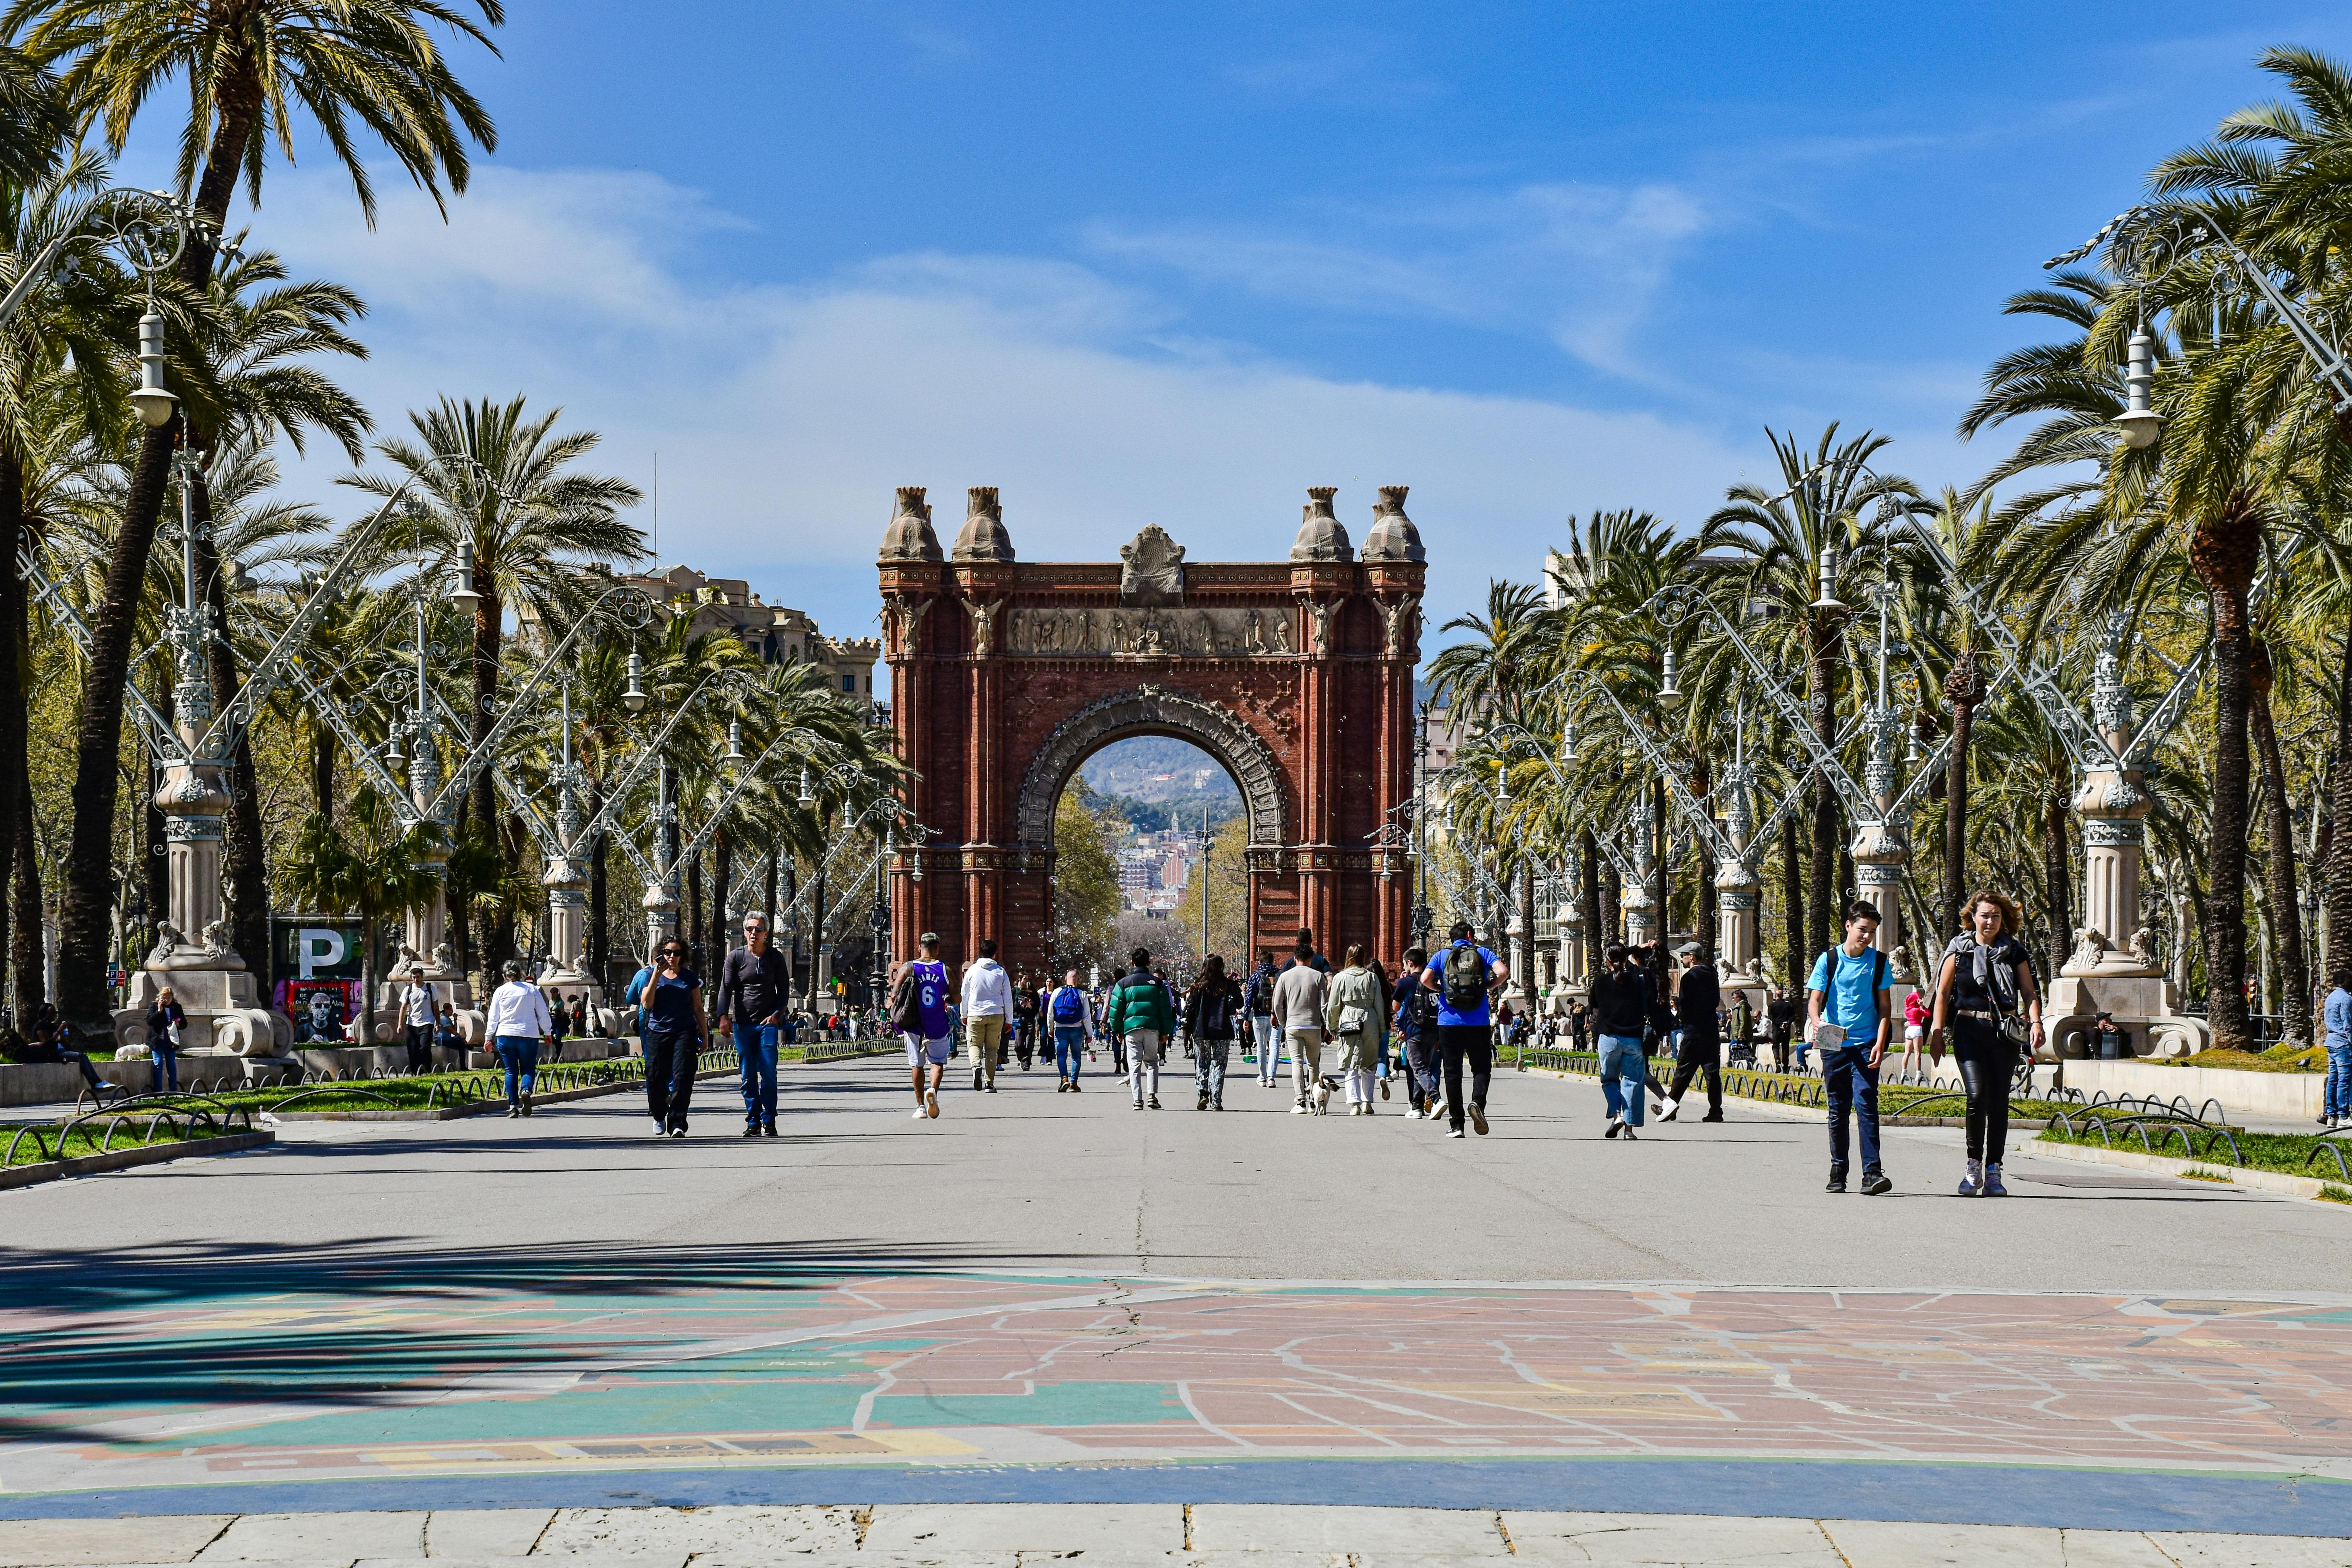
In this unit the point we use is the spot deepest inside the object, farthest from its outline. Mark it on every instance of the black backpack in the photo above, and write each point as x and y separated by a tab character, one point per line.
1261	995
1464	978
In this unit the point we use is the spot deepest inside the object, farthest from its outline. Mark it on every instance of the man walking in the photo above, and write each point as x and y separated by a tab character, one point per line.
1466	977
416	1016
755	988
918	1011
1260	993
1620	1010
1846	1006
1139	1014
1416	1027
1299	993
1070	1015
1698	1006
2336	1020
987	1010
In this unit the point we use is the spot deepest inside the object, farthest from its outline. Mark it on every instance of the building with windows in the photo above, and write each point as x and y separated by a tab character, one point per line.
776	634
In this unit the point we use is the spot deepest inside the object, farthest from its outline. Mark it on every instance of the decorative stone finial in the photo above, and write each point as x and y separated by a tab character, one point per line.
983	537
910	535
1393	536
1320	537
1152	569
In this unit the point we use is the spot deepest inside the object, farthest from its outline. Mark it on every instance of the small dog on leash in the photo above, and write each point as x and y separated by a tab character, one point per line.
1325	1087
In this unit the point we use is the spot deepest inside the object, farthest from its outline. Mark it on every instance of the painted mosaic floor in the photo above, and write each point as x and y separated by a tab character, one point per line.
969	1370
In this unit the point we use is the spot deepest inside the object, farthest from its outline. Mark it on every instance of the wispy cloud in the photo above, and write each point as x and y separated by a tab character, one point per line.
784	415
1578	264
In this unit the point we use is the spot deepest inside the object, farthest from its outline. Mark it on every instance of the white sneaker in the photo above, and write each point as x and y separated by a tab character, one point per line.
1973	1182
1299	1109
1456	1132
921	1115
1412	1116
930	1103
660	1130
1666	1112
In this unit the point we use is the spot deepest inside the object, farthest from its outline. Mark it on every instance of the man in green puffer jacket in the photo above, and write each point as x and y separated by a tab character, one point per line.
1138	1014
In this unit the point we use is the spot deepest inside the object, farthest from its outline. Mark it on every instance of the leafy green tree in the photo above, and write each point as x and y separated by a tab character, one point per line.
1085	883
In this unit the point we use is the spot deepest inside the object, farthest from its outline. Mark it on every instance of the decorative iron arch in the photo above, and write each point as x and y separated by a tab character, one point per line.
1153	710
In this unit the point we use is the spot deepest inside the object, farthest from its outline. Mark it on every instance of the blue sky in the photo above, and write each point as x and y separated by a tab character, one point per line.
1153	263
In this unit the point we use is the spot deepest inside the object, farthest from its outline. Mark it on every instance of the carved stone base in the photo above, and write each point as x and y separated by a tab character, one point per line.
2146	1006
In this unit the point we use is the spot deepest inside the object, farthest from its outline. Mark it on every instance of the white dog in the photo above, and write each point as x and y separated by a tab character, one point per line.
1325	1087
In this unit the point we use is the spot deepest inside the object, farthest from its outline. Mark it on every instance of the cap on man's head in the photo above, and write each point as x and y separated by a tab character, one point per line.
1688	950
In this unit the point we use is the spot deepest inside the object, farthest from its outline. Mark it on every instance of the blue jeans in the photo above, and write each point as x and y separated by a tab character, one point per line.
756	1045
521	1053
1853	1084
1624	1070
1209	1068
167	1068
1269	1046
1069	1050
2339	1077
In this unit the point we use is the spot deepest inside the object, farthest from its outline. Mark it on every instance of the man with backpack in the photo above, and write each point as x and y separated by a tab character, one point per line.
1847	1009
1258	993
1141	1014
1070	1013
1464	976
1699	1045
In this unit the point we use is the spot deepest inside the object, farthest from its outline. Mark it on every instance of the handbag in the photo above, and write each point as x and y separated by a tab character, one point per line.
1352	1019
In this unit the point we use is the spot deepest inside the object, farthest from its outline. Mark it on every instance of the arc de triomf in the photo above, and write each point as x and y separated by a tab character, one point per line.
1297	675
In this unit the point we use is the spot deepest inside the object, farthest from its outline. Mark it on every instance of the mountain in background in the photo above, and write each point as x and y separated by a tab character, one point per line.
1162	782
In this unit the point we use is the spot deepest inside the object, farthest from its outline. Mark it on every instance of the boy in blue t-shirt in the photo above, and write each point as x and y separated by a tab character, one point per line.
1847	994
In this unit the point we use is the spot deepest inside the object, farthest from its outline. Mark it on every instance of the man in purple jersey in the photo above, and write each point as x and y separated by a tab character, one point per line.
919	1010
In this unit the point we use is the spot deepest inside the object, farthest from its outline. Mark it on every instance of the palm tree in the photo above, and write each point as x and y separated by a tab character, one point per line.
500	483
34	121
1825	493
252	67
1494	674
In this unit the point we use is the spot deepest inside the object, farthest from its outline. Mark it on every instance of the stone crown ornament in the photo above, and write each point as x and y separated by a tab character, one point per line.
985	537
1320	536
910	535
1393	537
1152	569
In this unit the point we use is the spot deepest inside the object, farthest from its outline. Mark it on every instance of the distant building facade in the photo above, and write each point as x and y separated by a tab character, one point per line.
774	634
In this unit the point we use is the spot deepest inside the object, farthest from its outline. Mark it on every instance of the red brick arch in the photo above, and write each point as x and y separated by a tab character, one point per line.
1296	675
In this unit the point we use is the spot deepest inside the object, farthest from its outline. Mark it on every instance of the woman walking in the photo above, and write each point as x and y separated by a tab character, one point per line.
1351	1017
1213	1009
1985	1007
519	1021
167	1021
672	1000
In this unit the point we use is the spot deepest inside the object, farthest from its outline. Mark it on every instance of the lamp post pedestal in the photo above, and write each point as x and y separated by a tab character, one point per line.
2108	971
1573	986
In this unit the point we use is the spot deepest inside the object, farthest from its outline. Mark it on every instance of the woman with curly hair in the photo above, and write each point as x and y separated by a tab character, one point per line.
1987	1008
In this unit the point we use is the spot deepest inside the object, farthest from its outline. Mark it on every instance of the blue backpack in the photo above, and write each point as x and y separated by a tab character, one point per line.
1070	1007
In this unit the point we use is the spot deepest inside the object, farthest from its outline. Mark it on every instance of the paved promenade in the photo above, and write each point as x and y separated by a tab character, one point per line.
1056	1300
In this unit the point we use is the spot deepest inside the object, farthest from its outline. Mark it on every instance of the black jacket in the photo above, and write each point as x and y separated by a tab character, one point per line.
1620	1003
1696	998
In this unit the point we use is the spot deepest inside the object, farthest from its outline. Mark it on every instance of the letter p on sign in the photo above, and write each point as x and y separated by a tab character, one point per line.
319	947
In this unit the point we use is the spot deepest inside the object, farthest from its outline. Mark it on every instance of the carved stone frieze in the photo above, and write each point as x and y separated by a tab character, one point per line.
1148	633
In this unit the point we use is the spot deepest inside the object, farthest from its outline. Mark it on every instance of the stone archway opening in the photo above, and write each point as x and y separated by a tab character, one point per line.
1150	850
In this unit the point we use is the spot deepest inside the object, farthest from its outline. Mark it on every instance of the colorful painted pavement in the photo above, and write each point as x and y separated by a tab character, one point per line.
396	1386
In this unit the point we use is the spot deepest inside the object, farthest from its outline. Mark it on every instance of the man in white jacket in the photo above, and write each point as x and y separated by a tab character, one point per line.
987	1003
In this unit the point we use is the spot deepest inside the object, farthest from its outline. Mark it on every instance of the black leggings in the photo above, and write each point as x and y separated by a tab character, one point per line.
1987	1060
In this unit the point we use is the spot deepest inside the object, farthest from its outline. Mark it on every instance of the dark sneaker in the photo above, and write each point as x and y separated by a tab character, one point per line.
751	1132
767	1130
1479	1119
1616	1125
1837	1180
1204	1104
1874	1183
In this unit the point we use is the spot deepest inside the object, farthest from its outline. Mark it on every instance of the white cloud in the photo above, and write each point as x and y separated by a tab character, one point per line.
1578	264
784	415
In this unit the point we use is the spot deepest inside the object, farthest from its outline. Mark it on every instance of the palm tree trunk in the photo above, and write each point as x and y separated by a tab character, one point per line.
243	854
489	617
1612	907
322	770
2222	554
694	943
15	737
1965	690
1662	881
2057	882
86	909
2339	826
1822	900
1792	900
1702	786
722	888
1596	928
2278	834
28	938
599	887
